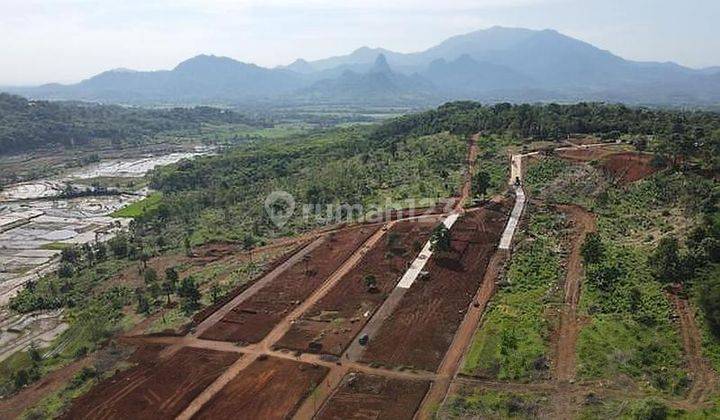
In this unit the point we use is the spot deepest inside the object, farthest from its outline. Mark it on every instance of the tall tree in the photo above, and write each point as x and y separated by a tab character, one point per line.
481	183
440	240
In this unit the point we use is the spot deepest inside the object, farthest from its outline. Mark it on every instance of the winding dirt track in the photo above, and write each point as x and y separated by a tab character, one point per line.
565	402
466	191
704	379
564	364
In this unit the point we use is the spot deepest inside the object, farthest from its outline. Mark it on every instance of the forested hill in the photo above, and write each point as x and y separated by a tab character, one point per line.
555	122
417	155
31	125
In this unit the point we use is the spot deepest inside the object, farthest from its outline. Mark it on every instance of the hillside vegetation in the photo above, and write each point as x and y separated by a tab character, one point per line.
29	125
422	157
222	197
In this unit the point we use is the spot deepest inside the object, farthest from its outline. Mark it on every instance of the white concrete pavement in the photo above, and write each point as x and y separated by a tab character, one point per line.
514	220
416	267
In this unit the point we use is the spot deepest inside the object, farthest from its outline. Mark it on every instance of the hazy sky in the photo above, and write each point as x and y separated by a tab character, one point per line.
69	40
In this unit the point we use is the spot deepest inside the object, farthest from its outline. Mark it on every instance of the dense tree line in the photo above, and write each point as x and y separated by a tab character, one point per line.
677	134
222	196
551	121
28	125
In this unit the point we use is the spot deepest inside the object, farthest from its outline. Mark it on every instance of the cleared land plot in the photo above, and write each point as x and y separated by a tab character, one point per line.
362	396
255	317
590	153
621	166
421	328
626	168
267	389
332	323
157	389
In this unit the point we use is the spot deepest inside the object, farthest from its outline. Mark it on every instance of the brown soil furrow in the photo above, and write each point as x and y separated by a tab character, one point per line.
453	358
269	389
282	327
421	329
157	389
564	364
704	379
373	397
466	188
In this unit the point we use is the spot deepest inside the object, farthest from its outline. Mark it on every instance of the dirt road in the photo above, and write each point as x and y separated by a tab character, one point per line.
564	364
279	330
466	189
704	379
463	337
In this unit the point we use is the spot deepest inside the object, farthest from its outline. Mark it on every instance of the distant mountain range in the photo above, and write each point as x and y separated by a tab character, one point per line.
496	64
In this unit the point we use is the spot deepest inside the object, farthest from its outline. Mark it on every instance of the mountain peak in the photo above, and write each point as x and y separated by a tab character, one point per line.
122	70
381	65
300	66
206	61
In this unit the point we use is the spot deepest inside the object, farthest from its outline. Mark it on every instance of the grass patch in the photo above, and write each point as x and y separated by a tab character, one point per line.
512	342
710	342
108	362
629	332
543	172
494	404
9	369
648	408
173	319
139	208
56	246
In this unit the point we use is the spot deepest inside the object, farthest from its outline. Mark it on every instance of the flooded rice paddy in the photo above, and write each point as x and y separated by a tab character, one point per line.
35	223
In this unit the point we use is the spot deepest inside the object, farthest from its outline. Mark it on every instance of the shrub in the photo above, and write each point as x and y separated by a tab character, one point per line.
66	270
592	249
650	410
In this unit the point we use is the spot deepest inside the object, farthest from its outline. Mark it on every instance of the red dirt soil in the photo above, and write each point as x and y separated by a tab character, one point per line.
622	167
255	317
267	389
158	390
465	191
583	222
362	396
338	317
464	335
583	155
704	379
626	168
209	310
422	327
